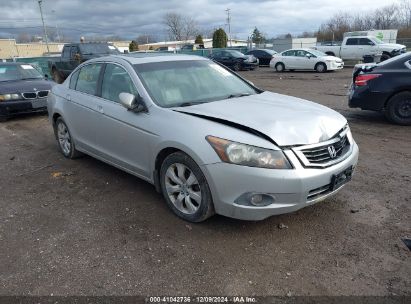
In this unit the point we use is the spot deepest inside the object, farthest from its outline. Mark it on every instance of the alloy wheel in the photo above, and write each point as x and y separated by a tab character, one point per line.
64	138
183	188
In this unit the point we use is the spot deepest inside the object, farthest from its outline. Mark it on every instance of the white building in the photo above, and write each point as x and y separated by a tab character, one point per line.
280	45
176	45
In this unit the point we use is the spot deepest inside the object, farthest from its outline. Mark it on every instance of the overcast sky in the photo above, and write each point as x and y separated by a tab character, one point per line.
130	18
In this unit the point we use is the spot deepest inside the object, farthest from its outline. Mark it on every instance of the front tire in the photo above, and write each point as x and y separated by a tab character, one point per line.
398	109
185	188
320	67
57	76
279	67
237	66
384	57
64	140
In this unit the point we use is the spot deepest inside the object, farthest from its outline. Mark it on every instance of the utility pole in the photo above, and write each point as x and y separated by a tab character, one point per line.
44	27
229	25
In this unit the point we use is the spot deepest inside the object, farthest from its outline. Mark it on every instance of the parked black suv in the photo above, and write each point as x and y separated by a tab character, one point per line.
75	53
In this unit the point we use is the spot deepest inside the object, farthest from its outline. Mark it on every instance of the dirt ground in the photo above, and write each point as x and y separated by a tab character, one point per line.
84	228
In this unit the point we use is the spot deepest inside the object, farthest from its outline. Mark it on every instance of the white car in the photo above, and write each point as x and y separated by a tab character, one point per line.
305	59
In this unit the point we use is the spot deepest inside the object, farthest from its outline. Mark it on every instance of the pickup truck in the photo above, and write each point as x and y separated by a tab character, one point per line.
75	53
356	47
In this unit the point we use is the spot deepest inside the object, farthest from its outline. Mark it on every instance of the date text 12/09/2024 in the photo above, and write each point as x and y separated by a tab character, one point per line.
200	299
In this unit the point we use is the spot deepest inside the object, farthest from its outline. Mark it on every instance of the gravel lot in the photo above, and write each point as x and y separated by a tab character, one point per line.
84	228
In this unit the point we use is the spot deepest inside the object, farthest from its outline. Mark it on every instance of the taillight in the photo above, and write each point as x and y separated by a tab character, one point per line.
361	80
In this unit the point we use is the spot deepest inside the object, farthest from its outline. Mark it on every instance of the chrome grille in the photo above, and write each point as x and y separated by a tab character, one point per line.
326	153
322	154
34	95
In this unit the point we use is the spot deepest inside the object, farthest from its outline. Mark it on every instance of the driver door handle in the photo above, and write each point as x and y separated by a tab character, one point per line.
68	97
100	109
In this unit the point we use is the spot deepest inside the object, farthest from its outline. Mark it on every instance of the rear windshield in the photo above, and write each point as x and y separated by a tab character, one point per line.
10	72
98	48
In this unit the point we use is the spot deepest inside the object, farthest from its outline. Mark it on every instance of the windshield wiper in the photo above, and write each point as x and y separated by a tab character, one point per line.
238	95
189	103
28	78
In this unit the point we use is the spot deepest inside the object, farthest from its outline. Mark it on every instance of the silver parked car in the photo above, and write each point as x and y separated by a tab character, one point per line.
209	140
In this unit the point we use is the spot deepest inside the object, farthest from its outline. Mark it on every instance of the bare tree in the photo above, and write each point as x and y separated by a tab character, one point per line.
404	13
386	17
180	27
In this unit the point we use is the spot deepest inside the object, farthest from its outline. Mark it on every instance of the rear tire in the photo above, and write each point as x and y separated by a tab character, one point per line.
320	67
279	67
57	76
398	109
384	57
185	188
64	140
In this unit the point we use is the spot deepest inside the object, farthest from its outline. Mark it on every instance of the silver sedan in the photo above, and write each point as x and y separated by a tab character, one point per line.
208	140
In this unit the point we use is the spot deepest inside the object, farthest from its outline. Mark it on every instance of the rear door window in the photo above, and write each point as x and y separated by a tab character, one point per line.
73	52
352	41
365	41
289	53
66	52
88	78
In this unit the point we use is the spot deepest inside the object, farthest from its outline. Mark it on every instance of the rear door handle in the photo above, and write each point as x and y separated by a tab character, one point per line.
100	109
68	97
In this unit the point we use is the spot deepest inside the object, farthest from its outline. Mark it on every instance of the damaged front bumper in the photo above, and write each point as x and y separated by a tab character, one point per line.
289	190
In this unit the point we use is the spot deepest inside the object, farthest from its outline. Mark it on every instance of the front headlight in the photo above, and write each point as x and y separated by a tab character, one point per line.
246	155
6	97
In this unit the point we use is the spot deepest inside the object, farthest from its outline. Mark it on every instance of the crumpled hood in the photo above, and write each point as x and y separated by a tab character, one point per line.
286	120
21	86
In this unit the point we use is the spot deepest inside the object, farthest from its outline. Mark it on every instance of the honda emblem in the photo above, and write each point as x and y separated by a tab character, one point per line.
332	152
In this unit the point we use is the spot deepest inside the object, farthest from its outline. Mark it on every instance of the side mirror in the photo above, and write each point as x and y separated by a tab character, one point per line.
46	76
308	56
132	103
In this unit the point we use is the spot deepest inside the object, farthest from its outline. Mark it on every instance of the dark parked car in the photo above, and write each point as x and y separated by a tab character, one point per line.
235	60
75	53
384	87
264	55
22	90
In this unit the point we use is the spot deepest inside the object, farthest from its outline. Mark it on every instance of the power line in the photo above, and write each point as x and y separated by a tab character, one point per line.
44	27
229	24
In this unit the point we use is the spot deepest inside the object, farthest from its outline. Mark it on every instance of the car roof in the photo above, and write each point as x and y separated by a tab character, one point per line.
261	50
14	63
299	49
139	58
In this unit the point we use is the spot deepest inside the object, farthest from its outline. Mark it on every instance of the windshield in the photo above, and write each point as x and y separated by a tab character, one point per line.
377	41
18	72
317	53
271	52
184	83
235	53
98	48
